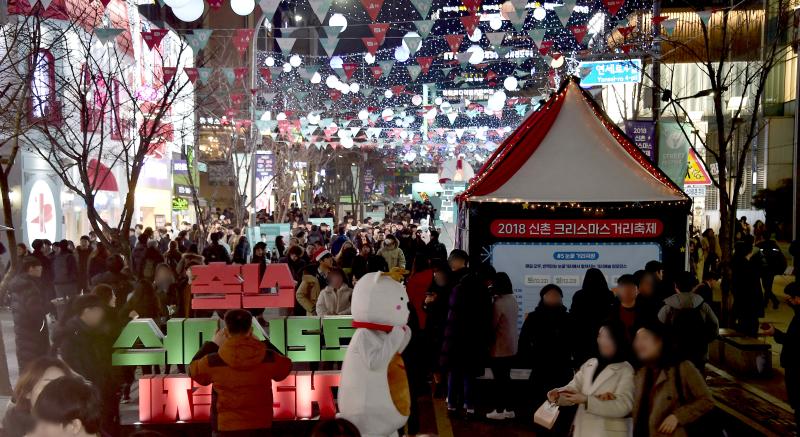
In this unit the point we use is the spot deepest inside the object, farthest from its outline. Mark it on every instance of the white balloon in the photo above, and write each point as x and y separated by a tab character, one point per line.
177	3
363	115
281	116
190	11
416	100
438	101
496	101
313	118
316	78
243	7
510	83
344	88
331	81
295	61
539	13
270	61
496	23
338	20
476	35
355	87
286	67
369	58
557	63
388	94
415	48
401	53
387	114
336	62
477	54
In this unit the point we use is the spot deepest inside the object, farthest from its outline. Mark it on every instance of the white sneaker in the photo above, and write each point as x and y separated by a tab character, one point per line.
510	414
496	415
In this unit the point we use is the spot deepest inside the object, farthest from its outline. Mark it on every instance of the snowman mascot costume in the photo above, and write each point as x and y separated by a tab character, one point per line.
373	391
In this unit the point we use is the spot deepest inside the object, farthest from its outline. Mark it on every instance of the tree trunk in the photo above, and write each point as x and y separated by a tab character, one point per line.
725	237
8	218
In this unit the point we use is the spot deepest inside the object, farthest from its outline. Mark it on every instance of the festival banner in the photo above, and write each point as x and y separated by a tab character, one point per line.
643	134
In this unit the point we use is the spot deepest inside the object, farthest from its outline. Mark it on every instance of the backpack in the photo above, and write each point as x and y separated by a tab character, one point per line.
776	262
690	332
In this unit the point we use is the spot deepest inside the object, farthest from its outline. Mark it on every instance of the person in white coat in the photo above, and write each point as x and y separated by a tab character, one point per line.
603	388
504	347
334	300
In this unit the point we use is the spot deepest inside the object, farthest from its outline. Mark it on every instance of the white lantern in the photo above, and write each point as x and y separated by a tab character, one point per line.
336	62
539	13
438	101
416	100
286	67
510	83
476	35
496	22
190	11
281	116
496	101
243	7
313	118
369	58
316	78
387	114
557	63
177	3
355	87
295	61
338	20
270	61
388	94
344	88
477	54
363	115
401	53
331	81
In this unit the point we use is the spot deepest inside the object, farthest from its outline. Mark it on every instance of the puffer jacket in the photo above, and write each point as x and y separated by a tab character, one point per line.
334	302
308	294
392	254
242	371
29	310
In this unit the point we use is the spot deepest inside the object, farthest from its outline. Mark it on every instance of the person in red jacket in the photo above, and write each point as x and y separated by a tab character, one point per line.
242	369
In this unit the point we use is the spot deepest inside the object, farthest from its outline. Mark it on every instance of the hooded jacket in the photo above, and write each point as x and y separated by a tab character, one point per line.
392	254
334	302
242	371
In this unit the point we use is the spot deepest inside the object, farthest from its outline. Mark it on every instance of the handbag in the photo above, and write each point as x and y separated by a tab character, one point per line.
546	415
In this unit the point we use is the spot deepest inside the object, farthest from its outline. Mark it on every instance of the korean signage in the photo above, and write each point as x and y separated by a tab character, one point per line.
42	213
264	172
673	151
643	134
594	73
369	182
532	265
696	173
180	204
180	166
182	190
172	398
577	229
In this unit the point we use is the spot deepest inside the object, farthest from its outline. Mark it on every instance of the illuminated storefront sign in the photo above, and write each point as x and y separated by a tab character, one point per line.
575	229
594	73
42	214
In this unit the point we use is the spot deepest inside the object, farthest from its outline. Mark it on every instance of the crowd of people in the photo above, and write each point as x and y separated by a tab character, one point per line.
619	361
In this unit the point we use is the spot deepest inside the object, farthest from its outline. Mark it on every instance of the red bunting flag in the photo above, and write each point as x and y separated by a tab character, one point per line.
625	31
253	91
191	73
240	73
379	31
491	75
425	63
613	6
544	47
377	71
266	74
168	73
579	32
473	6
626	48
373	8
398	89
454	41
241	39
470	22
237	98
349	69
371	44
660	19
153	38
556	55
215	4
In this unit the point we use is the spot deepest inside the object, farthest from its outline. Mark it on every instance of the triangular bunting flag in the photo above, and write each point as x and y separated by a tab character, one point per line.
201	36
705	16
329	44
266	74
470	22
463	57
424	26
425	63
563	15
349	69
153	38
519	5
373	8
106	34
579	32
286	45
379	31
569	5
413	42
473	6
367	90
502	51
320	8
376	71
168	73
215	4
669	26
230	75
613	6
268	7
454	41
413	71
191	73
495	38
537	35
386	66
204	74
240	72
371	44
518	19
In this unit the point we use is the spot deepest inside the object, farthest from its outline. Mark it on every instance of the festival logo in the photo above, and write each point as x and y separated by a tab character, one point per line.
40	212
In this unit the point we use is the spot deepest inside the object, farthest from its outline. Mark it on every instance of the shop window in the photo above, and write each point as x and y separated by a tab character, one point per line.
43	105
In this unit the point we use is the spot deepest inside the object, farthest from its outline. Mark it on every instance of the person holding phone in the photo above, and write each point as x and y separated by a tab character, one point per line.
602	388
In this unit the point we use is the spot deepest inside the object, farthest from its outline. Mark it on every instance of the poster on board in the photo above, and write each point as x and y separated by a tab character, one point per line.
532	265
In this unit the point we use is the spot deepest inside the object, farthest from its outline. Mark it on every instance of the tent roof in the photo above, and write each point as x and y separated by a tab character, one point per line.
568	151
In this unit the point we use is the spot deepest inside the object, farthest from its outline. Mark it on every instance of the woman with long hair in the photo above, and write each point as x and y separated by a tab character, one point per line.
19	421
591	305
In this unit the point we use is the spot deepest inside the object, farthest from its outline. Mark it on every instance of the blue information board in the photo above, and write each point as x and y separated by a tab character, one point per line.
594	73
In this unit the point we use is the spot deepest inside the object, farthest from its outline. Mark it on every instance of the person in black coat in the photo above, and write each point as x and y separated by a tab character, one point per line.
545	345
84	343
138	254
748	296
591	305
467	337
41	253
29	310
215	252
121	283
436	306
65	272
790	354
435	249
